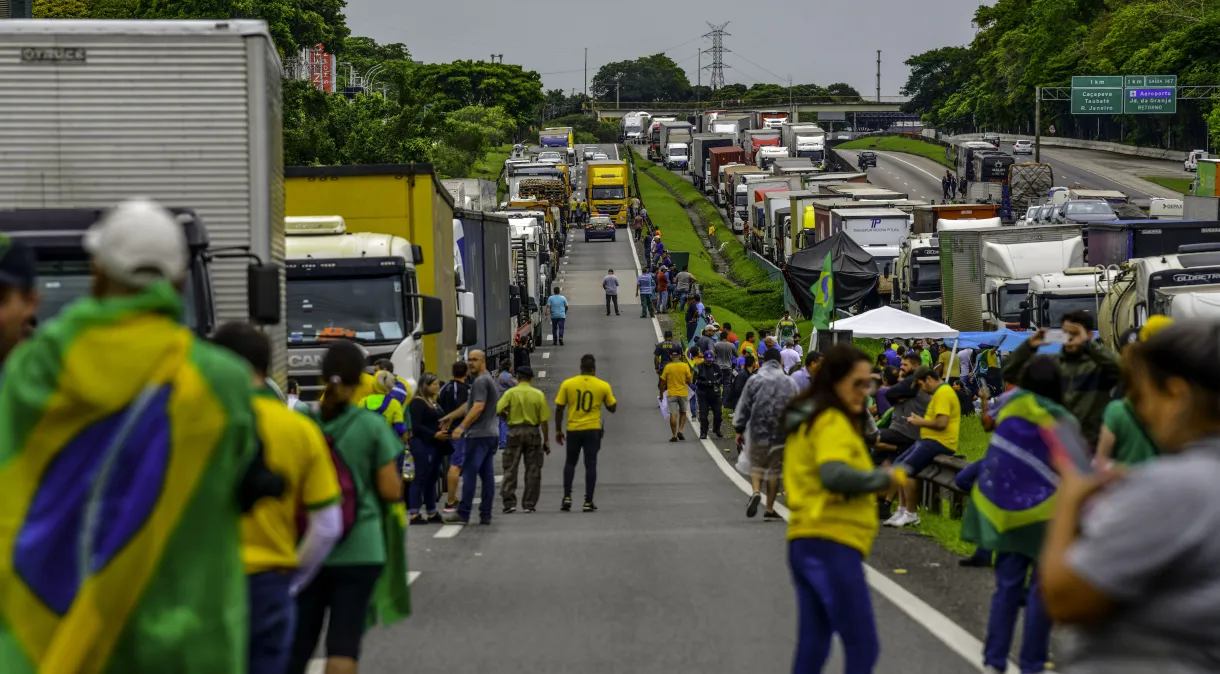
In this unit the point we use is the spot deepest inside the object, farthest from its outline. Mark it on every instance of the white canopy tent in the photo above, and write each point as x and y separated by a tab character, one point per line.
887	322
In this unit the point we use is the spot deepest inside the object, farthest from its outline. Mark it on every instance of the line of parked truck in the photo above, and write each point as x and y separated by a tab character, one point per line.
412	268
962	263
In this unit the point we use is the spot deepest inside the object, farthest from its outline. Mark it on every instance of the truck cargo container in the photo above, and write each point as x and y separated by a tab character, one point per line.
1112	197
654	135
731	199
553	139
718	158
701	148
138	117
867	192
755	216
766	156
1116	242
633	125
985	271
804	140
754	139
472	194
486	274
733	124
835	177
926	217
670	132
705	119
401	200
879	231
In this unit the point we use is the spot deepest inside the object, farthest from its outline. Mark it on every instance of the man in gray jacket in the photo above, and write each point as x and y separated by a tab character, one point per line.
758	420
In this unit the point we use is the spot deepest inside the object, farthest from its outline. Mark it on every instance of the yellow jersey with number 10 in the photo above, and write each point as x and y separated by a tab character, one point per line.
583	396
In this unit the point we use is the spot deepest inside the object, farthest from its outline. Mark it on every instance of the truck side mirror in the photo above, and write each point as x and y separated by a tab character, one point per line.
433	314
1026	322
263	293
470	331
514	305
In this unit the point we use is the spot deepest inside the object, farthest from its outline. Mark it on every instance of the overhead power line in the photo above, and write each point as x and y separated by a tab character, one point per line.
717	51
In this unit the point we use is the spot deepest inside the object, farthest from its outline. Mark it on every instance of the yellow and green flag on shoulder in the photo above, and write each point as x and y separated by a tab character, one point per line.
824	297
123	441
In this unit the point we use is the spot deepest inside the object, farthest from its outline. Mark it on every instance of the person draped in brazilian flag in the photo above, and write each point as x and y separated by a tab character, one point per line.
1009	507
126	447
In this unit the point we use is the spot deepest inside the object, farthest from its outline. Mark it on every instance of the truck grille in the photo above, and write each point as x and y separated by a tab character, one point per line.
609	209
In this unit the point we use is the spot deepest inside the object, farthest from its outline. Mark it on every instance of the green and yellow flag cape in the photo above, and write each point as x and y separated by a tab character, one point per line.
119	522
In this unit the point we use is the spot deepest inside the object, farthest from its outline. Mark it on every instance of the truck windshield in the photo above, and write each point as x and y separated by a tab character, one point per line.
1055	307
60	283
1011	297
361	309
1088	208
925	276
741	199
605	193
677	152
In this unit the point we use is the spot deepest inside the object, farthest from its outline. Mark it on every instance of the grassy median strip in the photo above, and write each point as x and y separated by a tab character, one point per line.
899	144
1179	185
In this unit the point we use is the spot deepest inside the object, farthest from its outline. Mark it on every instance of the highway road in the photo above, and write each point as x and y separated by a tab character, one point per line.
1107	171
917	177
668	576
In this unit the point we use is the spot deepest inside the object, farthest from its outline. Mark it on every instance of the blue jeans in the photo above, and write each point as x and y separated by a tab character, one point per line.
480	465
680	296
557	329
503	431
662	301
832	598
273	617
422	494
1011	570
921	454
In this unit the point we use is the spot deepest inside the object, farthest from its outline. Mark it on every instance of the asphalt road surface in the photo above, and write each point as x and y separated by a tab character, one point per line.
667	577
1107	171
917	177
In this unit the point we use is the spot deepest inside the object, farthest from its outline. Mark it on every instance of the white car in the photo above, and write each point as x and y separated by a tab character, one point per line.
590	151
601	155
550	157
1023	147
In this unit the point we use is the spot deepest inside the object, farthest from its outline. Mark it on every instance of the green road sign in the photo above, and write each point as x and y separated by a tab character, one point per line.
1097	100
1152	81
1147	100
1095	81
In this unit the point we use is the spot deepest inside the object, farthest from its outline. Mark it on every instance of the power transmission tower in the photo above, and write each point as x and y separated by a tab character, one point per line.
717	51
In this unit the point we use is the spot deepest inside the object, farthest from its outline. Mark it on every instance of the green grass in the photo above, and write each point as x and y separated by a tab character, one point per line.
900	144
1180	185
972	443
489	166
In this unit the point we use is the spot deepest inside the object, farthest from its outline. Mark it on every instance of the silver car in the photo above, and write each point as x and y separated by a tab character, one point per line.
1023	147
590	150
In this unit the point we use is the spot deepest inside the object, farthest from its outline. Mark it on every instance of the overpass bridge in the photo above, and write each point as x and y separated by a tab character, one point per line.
887	104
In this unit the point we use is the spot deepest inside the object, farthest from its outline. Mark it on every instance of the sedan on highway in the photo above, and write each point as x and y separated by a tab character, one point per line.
550	157
601	155
867	158
1023	147
1084	210
599	228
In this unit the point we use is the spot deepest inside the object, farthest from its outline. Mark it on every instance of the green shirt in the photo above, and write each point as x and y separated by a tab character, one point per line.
925	358
784	329
366	444
525	404
1132	444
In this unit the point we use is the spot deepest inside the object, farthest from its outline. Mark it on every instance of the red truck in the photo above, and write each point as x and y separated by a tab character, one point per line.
756	138
718	157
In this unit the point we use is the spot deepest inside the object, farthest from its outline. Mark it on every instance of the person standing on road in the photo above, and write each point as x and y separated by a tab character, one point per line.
832	523
708	383
757	420
610	285
453	397
428	445
1090	371
945	182
481	429
524	409
644	286
585	394
674	386
557	310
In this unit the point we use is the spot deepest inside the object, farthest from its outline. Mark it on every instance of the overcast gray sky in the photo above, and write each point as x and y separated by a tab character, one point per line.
769	40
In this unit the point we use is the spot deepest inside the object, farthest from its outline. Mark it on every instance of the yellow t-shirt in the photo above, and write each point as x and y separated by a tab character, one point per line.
583	396
944	401
294	448
816	513
364	389
742	350
677	378
943	361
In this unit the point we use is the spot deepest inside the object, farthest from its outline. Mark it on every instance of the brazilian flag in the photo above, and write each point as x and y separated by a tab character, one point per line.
1014	496
123	439
824	296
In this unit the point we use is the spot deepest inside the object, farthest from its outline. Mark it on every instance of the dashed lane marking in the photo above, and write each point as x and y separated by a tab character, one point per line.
541	373
448	531
546	354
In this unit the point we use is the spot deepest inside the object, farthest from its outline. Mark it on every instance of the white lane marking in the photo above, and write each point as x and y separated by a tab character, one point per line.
546	354
948	632
411	576
541	373
891	156
499	479
615	152
548	338
448	531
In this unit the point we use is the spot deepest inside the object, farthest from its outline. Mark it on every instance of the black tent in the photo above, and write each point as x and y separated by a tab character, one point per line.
854	272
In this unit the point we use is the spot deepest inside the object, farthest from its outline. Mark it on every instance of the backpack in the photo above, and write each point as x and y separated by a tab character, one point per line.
347	494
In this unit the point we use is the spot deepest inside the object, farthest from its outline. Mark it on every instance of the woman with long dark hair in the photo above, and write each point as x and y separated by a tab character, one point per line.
832	486
428	445
367	463
1134	560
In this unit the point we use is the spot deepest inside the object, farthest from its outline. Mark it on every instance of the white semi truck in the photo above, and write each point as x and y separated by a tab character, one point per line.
1185	285
1054	295
96	112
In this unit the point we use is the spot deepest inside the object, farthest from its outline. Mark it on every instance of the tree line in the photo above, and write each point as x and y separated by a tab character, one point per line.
1022	44
657	78
446	114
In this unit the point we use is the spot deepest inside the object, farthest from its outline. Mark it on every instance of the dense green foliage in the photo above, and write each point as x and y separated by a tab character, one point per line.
447	114
1023	44
658	78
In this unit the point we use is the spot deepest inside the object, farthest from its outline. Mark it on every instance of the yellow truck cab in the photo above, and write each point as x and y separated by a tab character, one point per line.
608	188
356	286
406	201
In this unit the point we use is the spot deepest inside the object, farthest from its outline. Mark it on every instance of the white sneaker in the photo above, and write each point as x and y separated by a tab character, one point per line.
894	519
911	519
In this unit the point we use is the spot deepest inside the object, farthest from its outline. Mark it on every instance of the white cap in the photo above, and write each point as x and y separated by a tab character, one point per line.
138	242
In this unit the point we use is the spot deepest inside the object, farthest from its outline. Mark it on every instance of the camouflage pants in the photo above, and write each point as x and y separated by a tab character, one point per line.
524	442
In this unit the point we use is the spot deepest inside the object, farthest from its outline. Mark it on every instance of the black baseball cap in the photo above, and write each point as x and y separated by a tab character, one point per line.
669	333
525	371
17	264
